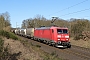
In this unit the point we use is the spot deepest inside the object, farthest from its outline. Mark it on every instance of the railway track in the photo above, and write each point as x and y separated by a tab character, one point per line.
80	53
73	53
81	48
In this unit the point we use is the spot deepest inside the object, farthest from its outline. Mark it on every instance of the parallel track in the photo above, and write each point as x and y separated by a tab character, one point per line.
81	53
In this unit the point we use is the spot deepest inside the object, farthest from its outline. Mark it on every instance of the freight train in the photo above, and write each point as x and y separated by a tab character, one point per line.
53	35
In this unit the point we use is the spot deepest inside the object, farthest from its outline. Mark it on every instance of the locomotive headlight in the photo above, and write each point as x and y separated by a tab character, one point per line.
66	39
58	39
66	36
59	36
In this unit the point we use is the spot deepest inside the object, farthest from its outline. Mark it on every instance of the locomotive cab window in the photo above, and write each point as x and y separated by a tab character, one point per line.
65	31
60	31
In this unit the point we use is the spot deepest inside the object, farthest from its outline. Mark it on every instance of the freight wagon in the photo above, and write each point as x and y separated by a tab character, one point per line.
30	32
17	31
22	32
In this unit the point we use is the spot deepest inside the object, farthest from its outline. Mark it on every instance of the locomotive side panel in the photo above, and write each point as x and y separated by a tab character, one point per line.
38	34
47	34
43	34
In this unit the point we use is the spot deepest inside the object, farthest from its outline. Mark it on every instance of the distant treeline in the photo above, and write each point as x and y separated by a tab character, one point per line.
5	21
76	26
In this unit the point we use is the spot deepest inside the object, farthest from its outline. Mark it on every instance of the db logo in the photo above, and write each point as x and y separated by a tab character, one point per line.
62	36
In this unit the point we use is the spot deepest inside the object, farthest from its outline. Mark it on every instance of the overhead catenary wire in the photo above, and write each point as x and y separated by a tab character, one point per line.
75	12
71	13
86	17
69	7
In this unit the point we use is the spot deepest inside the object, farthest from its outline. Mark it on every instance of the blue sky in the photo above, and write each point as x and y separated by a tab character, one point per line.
24	9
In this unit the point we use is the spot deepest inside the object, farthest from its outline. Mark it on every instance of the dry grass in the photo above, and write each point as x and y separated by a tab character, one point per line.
80	43
26	53
31	52
28	50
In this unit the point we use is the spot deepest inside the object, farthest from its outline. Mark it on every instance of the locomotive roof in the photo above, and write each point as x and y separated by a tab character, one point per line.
51	28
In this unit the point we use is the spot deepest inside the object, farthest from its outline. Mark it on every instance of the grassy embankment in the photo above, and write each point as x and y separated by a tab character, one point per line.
81	43
12	47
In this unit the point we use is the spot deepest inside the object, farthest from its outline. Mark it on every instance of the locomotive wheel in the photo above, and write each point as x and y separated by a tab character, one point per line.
69	46
47	42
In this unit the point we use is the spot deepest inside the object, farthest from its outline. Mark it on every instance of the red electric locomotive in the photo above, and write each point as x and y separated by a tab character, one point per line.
57	36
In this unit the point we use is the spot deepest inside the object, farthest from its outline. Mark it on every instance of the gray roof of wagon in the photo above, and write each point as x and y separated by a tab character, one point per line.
50	28
43	28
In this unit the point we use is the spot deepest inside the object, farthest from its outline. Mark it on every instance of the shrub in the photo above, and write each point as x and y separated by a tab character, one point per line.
13	36
1	45
4	52
8	35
